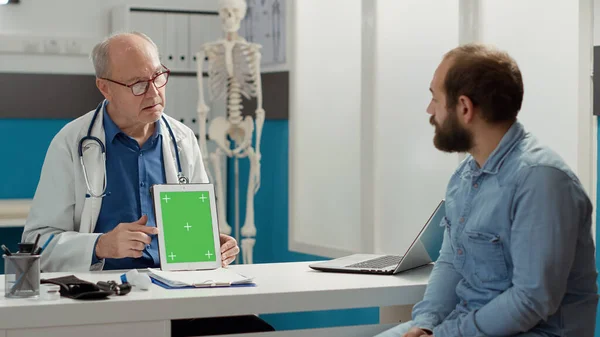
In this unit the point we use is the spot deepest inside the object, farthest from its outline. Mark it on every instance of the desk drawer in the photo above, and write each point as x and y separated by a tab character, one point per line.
137	329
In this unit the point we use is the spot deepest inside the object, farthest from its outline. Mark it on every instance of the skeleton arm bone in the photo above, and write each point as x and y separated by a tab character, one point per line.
260	116
216	158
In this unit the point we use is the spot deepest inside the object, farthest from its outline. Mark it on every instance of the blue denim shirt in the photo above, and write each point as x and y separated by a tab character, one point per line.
517	254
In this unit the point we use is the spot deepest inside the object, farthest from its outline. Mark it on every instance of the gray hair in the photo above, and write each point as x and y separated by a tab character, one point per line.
100	57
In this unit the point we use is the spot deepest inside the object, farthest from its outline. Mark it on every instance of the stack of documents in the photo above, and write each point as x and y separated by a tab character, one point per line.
220	277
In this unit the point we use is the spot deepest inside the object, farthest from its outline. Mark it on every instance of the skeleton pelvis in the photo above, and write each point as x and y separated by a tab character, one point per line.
240	133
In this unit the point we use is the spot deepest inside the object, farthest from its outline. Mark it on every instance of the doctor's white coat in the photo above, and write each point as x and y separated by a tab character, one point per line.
60	205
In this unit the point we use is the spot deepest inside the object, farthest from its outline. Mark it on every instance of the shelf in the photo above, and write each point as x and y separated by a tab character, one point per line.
13	212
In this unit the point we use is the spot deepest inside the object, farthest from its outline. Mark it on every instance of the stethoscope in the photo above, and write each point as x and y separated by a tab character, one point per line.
96	141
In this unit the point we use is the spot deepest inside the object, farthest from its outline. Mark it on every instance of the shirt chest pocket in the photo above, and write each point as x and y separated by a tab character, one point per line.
487	252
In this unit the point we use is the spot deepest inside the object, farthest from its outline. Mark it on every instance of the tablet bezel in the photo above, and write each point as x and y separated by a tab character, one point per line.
164	265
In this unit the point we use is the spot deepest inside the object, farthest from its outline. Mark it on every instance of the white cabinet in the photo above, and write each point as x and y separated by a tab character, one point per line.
177	48
177	33
202	29
171	92
153	25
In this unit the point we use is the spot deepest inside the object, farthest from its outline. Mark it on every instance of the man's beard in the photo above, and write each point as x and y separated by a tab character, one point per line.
451	136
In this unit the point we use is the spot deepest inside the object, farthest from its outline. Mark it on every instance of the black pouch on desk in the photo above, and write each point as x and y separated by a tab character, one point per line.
73	287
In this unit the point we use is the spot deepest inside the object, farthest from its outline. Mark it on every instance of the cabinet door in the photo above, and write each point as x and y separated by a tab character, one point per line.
188	101
153	25
203	29
177	35
172	99
133	329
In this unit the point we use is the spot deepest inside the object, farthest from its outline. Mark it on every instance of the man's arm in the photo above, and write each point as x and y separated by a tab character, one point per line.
52	212
439	299
548	210
440	296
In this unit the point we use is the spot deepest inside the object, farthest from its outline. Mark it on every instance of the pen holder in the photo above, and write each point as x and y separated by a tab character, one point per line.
21	275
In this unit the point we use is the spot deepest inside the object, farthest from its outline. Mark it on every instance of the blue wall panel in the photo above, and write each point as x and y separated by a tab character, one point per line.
24	147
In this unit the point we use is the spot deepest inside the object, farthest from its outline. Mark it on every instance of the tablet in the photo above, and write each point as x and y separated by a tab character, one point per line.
188	231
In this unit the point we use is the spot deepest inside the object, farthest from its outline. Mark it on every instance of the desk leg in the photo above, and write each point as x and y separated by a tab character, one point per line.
395	314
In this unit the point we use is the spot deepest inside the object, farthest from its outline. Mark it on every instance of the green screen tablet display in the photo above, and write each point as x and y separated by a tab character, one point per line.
187	227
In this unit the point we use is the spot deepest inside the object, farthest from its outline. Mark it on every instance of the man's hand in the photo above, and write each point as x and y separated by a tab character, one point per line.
229	249
128	239
416	332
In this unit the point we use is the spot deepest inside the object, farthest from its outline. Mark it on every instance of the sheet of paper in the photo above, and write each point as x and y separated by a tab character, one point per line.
220	276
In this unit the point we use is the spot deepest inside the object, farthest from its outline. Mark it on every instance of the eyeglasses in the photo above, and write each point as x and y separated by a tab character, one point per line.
141	87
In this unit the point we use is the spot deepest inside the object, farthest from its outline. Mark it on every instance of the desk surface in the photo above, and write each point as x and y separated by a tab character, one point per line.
280	287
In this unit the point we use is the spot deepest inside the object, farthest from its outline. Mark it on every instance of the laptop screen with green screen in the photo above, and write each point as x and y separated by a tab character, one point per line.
187	226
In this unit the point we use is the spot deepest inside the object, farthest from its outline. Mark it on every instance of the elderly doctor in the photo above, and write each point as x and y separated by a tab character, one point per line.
100	209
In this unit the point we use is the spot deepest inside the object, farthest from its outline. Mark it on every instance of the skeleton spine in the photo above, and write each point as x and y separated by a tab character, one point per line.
234	100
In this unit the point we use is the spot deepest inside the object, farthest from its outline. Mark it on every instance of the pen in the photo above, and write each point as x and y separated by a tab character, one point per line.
6	250
37	239
40	250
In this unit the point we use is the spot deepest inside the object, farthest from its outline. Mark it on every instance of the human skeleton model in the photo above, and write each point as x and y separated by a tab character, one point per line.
233	71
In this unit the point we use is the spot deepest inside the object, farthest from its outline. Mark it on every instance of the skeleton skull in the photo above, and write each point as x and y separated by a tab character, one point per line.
231	13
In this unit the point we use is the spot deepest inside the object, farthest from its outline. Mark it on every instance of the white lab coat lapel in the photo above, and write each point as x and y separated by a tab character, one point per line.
96	170
169	158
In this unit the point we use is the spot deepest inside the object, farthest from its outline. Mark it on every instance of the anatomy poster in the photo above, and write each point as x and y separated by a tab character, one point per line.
265	24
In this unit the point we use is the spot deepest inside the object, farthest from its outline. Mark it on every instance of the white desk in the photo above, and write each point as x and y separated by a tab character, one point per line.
280	288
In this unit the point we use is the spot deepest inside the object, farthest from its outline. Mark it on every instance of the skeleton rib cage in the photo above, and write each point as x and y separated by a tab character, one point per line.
244	79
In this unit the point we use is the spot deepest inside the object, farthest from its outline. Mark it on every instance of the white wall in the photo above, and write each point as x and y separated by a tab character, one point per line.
410	173
86	17
78	18
547	54
327	165
325	126
596	22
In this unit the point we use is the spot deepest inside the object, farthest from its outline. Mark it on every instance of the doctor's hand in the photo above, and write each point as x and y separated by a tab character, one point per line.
128	239
416	332
229	249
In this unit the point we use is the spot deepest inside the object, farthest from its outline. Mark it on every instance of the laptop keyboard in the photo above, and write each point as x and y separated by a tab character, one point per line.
378	263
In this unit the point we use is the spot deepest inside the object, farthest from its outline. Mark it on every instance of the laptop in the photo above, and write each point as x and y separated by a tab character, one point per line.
424	250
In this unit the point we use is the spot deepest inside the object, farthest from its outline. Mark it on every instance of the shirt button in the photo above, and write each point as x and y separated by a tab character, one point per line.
141	154
142	184
459	251
475	185
462	220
